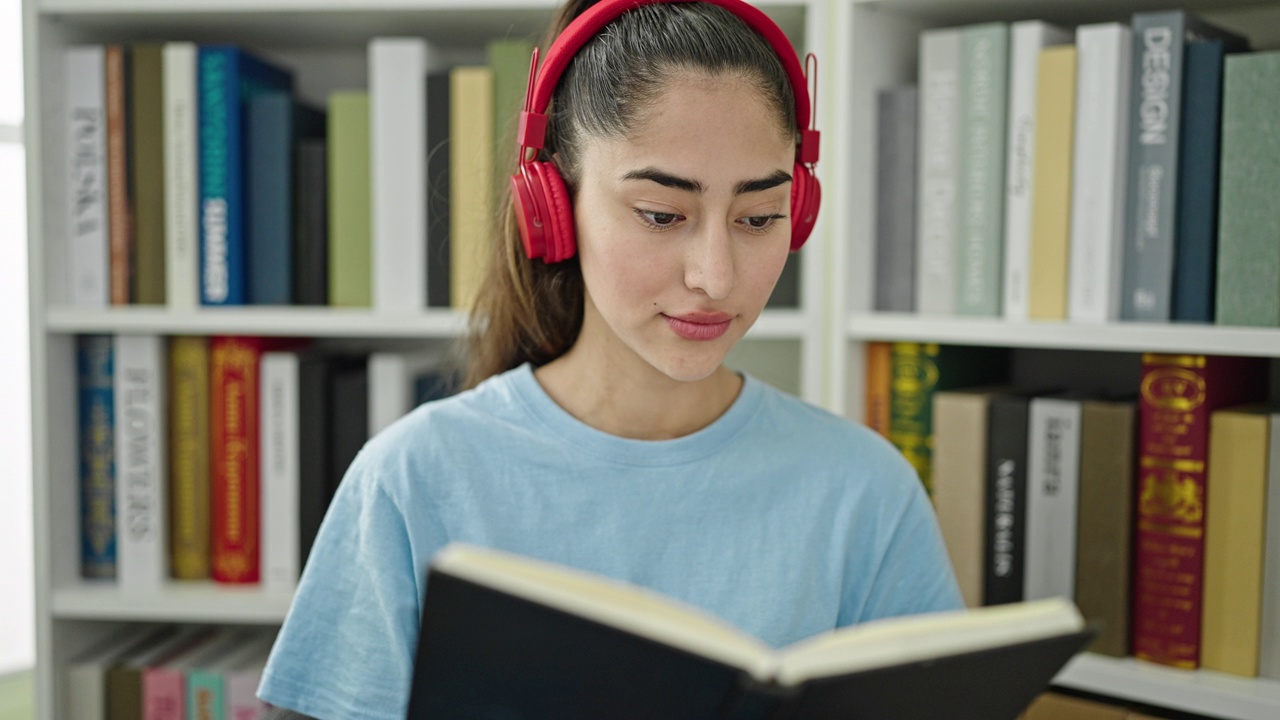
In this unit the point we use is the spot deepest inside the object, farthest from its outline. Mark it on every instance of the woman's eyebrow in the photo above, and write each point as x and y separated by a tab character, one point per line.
666	179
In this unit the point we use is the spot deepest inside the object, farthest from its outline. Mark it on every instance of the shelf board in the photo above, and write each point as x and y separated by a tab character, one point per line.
1197	691
174	602
1117	337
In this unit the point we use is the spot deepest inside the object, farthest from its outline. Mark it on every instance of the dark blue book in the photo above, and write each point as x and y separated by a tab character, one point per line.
275	122
227	78
95	360
1196	251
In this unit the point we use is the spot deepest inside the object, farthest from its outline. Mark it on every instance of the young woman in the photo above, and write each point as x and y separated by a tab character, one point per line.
603	430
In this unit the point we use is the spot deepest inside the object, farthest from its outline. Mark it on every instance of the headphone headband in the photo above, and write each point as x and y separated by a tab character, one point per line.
533	119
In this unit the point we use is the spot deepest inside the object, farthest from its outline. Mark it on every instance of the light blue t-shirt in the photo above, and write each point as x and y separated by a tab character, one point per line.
780	518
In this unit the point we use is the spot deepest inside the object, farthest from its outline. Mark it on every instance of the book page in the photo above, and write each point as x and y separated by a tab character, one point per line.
626	607
897	641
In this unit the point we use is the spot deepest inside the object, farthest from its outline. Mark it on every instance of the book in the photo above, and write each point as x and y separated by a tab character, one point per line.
125	699
1100	162
240	680
1051	202
181	177
438	193
878	391
896	112
1269	650
86	670
315	442
1026	39
311	224
119	199
1005	517
234	446
348	416
1053	482
1055	706
1248	291
508	58
228	77
146	162
938	171
205	678
279	474
350	252
504	633
142	507
95	380
398	69
189	458
984	100
470	181
1178	394
164	686
1157	81
87	209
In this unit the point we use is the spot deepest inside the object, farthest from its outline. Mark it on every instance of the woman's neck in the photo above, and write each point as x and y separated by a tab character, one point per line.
630	398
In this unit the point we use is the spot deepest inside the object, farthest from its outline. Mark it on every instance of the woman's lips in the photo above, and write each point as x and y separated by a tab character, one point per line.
699	325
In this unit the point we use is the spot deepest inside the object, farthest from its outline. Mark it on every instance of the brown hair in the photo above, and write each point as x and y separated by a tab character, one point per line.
529	311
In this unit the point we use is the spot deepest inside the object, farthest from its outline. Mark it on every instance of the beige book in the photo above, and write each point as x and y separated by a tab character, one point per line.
471	220
1051	197
1052	706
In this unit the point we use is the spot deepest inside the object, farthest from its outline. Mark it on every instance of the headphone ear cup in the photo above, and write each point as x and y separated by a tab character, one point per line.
561	237
806	196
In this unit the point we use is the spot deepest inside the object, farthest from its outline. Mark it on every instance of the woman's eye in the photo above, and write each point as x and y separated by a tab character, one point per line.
658	219
761	222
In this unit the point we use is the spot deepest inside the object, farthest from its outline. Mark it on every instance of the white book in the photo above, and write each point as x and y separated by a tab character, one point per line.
181	164
142	544
88	247
280	473
1053	491
1100	173
391	385
1027	39
938	159
1269	641
398	171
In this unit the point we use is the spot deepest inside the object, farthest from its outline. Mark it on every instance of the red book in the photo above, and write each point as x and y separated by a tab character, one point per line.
1179	392
234	453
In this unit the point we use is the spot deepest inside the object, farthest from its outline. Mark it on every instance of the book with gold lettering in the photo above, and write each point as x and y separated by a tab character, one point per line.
189	458
234	448
1178	395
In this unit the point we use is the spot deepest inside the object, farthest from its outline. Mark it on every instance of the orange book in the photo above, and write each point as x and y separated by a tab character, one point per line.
879	382
119	205
234	450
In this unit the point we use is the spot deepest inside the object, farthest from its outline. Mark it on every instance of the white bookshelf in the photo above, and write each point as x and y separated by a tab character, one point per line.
324	41
875	45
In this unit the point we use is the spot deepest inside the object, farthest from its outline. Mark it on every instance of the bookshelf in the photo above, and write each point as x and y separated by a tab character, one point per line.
325	42
875	46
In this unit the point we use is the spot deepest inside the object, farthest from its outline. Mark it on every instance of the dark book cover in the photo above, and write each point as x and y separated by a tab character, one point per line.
349	429
314	444
146	163
1005	521
897	110
311	225
438	189
96	400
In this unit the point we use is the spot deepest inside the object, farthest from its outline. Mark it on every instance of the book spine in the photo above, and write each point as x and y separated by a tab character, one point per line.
1108	435
1006	492
959	470
87	221
235	460
241	700
1053	491
280	473
915	378
142	510
121	210
1051	202
350	251
438	189
938	173
1269	648
984	98
878	390
95	368
1027	39
1153	176
1235	516
189	457
221	283
1101	161
896	112
269	141
87	691
398	172
1248	290
311	242
163	696
349	429
181	192
204	695
315	443
471	180
146	160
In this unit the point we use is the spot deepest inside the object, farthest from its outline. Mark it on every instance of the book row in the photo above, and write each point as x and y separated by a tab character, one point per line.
199	176
1117	171
1158	513
216	458
170	673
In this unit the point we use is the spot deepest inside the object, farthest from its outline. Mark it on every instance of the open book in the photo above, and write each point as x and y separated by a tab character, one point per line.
504	636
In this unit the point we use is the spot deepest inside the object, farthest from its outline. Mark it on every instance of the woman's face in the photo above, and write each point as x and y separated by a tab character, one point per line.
683	228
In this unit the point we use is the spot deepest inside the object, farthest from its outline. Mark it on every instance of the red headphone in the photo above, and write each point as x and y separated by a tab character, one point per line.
541	200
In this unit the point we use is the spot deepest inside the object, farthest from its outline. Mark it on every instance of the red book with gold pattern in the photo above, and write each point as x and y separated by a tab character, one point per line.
234	452
1178	394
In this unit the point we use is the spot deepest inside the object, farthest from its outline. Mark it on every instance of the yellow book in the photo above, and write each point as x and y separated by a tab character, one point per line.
471	214
350	202
189	458
1051	194
1234	531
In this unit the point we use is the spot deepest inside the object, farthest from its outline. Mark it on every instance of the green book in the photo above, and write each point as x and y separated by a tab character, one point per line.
509	61
146	97
1248	223
350	219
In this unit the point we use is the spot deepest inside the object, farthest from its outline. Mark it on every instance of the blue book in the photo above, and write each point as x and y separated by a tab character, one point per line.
227	77
275	123
1195	266
96	399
